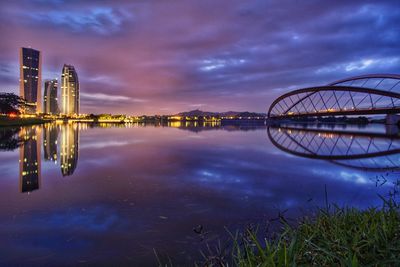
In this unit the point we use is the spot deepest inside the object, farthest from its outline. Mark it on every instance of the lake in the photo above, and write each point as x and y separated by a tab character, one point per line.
101	195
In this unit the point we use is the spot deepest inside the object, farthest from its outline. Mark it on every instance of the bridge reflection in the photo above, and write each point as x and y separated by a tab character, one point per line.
354	149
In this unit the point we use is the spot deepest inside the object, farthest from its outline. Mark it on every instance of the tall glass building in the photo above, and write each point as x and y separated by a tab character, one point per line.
30	78
50	97
69	91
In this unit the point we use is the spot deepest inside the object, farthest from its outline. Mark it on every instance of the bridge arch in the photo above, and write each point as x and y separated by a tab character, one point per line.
343	97
380	80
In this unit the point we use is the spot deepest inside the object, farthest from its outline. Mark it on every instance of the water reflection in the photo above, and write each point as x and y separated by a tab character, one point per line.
364	150
354	148
28	139
69	149
9	138
143	189
29	159
50	140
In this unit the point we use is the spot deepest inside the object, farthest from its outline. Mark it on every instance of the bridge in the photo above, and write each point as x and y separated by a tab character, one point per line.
361	95
354	149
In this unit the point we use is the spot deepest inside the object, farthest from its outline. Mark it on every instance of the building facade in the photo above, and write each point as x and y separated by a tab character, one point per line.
30	79
50	101
69	91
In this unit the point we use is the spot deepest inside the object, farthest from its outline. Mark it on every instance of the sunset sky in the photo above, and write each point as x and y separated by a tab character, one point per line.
166	56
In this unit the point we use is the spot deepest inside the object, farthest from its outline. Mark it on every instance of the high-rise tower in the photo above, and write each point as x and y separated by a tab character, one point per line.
69	91
50	97
30	78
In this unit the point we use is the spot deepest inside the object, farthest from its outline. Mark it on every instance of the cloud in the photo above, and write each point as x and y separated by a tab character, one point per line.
213	64
231	55
101	20
109	143
363	64
199	105
106	97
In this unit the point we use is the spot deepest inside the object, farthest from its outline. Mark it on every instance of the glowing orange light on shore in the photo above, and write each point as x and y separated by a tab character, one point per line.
12	115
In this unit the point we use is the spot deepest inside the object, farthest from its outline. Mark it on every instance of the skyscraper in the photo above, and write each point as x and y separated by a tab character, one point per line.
29	159
69	91
30	78
50	97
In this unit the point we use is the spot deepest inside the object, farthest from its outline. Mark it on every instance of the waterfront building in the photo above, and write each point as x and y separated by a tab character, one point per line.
30	79
50	101
69	148
69	91
29	159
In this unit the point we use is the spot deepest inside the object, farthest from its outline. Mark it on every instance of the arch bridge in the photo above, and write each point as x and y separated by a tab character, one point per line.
361	95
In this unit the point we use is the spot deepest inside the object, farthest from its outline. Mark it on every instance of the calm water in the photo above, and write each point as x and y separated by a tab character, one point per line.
83	195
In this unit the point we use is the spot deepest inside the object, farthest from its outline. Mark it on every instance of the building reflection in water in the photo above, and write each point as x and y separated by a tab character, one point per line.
30	151
69	148
29	159
50	140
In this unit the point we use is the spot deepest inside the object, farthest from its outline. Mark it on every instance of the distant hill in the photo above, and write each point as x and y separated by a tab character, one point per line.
251	114
199	113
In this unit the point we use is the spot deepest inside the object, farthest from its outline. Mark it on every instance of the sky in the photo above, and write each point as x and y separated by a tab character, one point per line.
163	57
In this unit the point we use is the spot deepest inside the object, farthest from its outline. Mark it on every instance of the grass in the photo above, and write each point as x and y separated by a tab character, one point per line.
334	237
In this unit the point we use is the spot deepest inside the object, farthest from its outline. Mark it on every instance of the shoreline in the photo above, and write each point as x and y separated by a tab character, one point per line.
333	236
6	121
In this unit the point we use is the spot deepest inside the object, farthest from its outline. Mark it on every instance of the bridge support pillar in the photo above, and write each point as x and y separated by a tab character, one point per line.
392	119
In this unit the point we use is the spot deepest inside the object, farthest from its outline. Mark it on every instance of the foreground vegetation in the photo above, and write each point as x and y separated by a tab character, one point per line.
334	237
